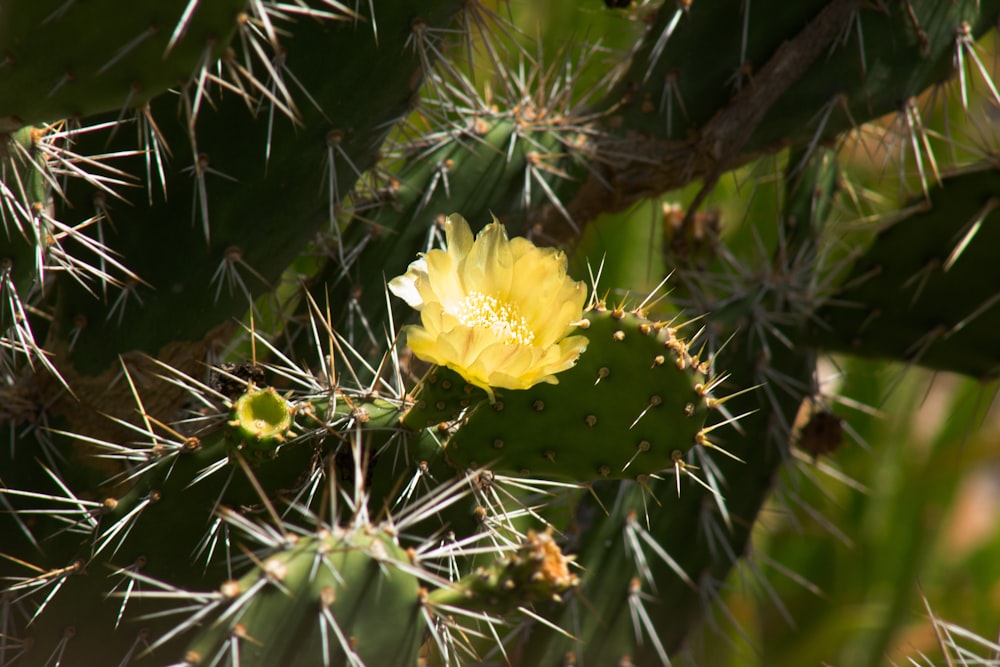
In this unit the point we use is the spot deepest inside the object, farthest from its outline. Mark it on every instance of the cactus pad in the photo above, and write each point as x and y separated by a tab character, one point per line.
110	55
443	395
926	292
364	607
635	398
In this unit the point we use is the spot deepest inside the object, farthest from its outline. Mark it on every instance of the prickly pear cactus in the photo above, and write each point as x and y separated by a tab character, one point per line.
376	333
639	402
343	595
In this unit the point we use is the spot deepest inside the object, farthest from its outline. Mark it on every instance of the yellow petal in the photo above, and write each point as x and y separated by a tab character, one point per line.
489	265
458	236
497	311
442	283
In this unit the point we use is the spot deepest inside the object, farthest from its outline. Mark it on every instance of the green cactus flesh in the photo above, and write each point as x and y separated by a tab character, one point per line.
784	74
441	397
635	401
218	264
343	598
74	59
163	518
790	61
926	291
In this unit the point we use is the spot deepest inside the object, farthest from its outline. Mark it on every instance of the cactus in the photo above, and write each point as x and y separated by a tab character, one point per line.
615	428
363	606
230	441
933	256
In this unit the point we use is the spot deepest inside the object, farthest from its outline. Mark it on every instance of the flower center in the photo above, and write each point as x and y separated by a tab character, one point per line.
504	319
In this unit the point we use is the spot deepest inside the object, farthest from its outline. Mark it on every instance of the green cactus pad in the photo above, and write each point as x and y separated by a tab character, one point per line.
442	396
70	59
308	601
635	398
926	292
257	225
793	46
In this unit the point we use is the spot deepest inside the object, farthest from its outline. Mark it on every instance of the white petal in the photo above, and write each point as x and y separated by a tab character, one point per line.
405	286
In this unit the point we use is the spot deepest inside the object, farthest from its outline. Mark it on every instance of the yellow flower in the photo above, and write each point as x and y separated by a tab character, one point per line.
497	311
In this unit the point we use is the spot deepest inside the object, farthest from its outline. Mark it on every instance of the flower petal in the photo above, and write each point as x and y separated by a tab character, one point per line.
540	285
405	286
458	236
489	267
443	282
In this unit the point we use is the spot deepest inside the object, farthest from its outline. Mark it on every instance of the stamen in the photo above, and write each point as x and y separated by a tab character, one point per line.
504	319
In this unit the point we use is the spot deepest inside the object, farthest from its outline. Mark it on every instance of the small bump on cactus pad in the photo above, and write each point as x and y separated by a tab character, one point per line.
260	419
634	400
